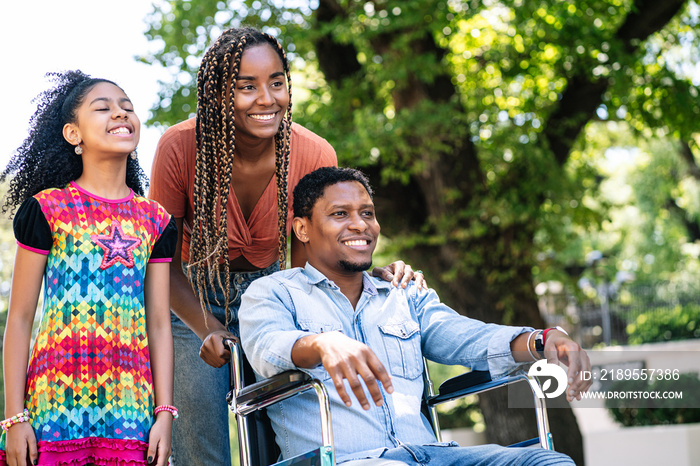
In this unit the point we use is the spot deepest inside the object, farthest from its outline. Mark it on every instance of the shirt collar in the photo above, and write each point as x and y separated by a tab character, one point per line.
370	285
313	275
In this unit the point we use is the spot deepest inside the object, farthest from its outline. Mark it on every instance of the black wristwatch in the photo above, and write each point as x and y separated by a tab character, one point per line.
539	344
540	339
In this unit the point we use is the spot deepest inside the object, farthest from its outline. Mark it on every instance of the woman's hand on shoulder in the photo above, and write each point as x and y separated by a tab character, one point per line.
400	273
20	445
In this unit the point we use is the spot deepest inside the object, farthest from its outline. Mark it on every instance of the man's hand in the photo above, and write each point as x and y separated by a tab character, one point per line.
400	273
213	351
348	359
559	347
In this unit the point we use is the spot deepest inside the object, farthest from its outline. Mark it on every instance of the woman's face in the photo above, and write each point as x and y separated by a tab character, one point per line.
261	96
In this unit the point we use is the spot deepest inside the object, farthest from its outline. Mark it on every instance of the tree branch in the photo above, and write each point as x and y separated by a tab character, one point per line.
691	225
686	154
337	61
583	95
646	18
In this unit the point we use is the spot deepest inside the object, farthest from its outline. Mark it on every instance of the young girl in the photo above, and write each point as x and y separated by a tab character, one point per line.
98	390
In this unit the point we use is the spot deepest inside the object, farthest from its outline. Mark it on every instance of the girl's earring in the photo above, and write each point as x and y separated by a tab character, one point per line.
134	155
78	150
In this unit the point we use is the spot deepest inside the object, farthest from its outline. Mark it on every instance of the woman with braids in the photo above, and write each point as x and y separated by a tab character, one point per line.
241	155
98	387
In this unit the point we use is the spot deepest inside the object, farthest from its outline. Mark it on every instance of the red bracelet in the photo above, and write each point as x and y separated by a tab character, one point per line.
171	409
544	333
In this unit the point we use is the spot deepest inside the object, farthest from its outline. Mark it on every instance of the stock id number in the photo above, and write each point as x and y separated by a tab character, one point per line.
631	374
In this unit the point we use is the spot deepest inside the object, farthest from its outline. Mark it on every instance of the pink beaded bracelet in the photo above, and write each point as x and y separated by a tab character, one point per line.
16	419
171	409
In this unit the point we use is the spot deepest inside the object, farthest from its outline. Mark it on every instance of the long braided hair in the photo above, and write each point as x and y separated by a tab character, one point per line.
45	159
216	143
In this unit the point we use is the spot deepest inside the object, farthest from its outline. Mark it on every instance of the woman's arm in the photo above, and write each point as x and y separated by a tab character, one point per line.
26	285
160	345
185	304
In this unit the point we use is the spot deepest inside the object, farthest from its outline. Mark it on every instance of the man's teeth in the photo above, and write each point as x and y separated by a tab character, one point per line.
263	117
122	130
358	242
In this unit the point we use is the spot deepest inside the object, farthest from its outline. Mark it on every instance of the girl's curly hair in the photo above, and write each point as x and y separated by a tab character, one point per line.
45	159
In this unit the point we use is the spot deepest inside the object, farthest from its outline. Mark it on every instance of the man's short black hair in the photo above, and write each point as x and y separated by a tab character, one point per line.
310	188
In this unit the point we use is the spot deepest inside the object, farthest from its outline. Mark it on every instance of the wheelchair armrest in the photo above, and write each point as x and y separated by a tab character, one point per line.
255	396
466	380
470	383
244	400
276	385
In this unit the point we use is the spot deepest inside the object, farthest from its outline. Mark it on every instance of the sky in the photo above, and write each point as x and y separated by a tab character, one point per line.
98	37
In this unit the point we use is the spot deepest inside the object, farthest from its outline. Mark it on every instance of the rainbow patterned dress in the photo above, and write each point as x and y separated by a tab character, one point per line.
89	385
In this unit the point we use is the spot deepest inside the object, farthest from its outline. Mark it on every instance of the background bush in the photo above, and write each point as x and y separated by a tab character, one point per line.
682	322
658	411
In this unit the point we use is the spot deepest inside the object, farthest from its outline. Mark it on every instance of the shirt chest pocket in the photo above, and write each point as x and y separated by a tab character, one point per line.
315	327
402	344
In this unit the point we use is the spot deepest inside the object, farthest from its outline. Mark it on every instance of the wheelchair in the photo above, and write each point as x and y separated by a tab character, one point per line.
247	399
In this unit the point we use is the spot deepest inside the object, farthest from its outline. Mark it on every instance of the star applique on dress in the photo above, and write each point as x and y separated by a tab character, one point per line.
117	246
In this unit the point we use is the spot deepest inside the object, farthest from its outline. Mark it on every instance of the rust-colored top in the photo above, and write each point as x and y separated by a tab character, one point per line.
172	185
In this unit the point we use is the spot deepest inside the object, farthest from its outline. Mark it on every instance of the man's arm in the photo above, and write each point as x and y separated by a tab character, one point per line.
344	358
274	343
453	339
450	338
267	327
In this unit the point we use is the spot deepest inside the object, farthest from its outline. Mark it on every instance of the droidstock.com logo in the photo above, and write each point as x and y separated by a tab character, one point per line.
551	371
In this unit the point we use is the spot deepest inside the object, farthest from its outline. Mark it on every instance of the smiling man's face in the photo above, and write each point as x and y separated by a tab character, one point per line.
342	232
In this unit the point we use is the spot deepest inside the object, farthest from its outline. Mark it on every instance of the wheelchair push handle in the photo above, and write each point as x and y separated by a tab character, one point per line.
230	343
235	362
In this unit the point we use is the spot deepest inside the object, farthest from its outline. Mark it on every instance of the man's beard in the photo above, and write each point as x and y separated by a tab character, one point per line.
352	267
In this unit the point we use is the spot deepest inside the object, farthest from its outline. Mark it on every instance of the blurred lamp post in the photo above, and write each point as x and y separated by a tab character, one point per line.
606	289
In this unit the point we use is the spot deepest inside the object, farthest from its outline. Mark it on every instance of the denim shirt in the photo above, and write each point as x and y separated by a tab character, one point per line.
400	325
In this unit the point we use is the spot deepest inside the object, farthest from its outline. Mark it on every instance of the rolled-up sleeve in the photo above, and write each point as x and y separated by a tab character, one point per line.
450	338
500	357
267	327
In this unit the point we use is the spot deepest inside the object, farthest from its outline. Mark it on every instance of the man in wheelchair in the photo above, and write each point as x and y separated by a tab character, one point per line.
336	322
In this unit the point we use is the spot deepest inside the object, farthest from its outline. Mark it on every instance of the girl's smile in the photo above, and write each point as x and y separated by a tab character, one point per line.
106	122
122	130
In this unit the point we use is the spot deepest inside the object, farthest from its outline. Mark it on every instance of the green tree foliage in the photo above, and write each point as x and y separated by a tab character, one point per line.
646	194
474	120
